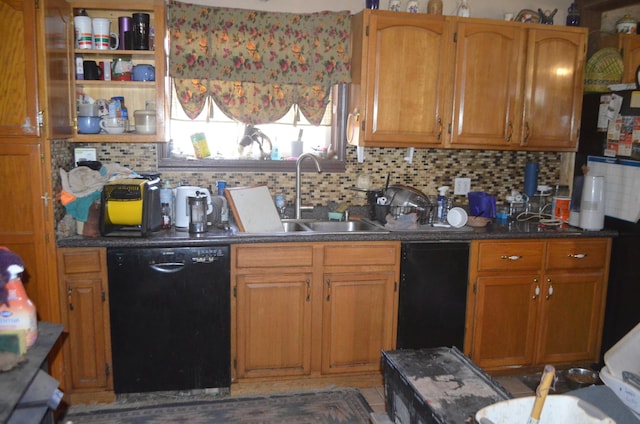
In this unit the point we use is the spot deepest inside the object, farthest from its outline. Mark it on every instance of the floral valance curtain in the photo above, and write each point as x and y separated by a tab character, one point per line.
255	65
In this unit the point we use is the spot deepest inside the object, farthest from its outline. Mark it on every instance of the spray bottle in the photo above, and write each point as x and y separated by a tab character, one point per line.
17	312
441	214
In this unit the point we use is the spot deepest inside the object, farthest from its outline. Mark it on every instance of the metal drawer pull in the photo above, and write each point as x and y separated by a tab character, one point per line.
577	256
511	258
550	292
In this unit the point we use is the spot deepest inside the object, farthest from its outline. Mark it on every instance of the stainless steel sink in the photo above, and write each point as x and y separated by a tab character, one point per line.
341	226
293	226
329	227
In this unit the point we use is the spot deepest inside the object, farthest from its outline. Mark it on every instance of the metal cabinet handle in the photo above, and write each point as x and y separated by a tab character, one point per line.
509	131
526	133
511	258
328	289
536	292
577	255
439	132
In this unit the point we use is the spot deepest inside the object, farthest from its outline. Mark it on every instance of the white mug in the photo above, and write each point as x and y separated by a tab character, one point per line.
412	7
394	5
102	35
84	35
112	125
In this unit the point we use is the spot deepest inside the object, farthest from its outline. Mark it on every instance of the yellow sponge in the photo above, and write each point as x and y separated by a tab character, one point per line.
13	341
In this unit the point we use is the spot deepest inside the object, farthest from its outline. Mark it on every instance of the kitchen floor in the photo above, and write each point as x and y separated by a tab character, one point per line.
375	395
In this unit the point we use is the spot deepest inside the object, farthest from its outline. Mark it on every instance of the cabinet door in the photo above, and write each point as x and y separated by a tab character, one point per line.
19	82
273	324
570	323
86	315
631	56
553	89
505	320
406	80
22	227
357	320
488	84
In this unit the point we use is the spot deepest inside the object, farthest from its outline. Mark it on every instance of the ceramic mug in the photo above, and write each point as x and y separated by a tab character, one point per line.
89	124
412	7
112	125
394	5
84	35
102	35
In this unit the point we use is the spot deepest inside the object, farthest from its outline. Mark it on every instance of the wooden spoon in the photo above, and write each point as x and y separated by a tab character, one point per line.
541	393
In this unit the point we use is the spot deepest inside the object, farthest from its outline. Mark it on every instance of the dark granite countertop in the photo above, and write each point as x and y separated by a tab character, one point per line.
510	229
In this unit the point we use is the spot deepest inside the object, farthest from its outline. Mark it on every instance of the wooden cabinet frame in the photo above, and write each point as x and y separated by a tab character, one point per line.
311	310
533	302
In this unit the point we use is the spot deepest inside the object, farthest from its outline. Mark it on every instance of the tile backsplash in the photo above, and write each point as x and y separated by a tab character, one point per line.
496	172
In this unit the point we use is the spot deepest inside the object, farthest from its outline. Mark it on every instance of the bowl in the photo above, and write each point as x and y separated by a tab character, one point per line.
478	221
457	217
89	124
580	377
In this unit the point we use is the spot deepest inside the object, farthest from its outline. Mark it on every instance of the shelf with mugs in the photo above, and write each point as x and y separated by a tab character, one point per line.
138	92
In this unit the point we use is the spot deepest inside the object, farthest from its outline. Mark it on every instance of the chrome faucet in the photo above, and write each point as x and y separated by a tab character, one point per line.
301	158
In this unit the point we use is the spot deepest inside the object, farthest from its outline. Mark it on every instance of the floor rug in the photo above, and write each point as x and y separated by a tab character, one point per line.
324	407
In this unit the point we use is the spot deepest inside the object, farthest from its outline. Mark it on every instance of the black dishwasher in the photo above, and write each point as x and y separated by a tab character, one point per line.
433	295
170	318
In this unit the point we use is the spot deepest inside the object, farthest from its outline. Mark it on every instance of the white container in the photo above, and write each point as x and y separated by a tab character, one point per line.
457	217
557	409
624	356
592	203
145	121
628	394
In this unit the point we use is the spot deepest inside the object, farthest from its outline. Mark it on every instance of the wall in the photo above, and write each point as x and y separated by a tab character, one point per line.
492	171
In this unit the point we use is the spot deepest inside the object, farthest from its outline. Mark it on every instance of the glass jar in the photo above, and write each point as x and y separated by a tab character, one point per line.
434	7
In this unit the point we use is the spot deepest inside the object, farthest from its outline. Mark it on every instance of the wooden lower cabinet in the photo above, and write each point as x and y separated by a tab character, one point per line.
304	310
532	303
85	314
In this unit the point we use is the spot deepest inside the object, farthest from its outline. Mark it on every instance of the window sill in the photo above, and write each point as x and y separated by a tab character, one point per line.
217	165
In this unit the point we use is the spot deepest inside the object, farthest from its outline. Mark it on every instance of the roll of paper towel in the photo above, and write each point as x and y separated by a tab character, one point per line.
592	203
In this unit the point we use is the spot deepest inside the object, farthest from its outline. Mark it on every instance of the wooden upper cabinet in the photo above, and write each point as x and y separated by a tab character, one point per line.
404	65
553	88
19	82
629	47
56	37
488	84
631	56
433	81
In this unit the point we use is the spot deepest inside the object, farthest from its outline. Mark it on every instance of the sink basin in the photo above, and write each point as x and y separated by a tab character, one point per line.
293	226
328	227
341	226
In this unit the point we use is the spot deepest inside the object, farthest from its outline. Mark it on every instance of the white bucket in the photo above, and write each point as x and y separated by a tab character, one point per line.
563	409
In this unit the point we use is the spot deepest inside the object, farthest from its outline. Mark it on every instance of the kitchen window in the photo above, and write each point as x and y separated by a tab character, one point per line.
223	136
245	84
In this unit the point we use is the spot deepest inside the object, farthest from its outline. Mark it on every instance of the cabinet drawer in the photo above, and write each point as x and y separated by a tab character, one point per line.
273	256
76	260
512	255
577	254
361	254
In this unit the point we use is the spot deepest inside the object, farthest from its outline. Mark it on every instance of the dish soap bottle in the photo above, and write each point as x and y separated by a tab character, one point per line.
17	312
441	213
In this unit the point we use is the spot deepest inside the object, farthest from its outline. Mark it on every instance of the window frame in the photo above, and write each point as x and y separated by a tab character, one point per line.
340	92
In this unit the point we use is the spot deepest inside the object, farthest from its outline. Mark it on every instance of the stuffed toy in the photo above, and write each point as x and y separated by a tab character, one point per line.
11	267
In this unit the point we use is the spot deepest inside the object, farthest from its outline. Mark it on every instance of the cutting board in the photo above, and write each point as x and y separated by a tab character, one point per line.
254	210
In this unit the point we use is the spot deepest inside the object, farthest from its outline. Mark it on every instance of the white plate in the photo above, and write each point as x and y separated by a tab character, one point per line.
457	217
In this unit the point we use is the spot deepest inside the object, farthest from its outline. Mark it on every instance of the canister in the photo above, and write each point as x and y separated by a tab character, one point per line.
627	25
145	121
